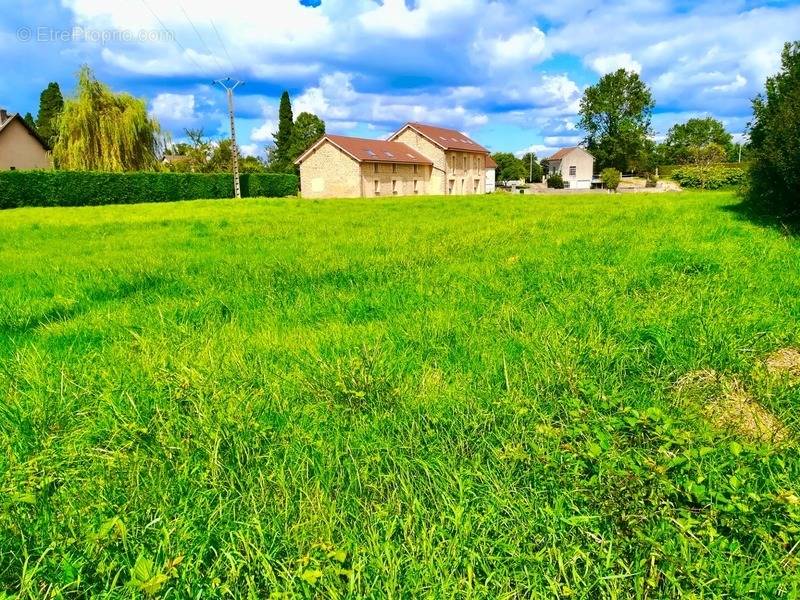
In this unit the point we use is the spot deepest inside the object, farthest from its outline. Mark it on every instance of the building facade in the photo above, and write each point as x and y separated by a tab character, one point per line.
575	165
20	146
418	159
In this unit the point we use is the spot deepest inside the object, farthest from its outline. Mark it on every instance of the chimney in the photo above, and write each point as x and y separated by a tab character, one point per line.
3	116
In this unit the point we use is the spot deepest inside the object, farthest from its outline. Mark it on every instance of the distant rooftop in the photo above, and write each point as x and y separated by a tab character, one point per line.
449	139
366	150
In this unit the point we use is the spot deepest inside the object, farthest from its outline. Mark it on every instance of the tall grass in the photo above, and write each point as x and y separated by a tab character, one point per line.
428	397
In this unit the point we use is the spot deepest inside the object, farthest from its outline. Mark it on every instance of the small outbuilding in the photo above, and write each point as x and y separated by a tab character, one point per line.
20	146
575	165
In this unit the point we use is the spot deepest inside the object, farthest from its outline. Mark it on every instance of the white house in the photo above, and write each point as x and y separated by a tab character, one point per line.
491	167
575	165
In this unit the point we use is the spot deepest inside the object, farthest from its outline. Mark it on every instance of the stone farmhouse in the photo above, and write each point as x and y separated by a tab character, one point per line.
20	146
417	159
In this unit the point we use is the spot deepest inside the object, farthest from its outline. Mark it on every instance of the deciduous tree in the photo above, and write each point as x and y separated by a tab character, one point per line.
534	171
100	130
509	167
695	133
306	130
775	138
615	113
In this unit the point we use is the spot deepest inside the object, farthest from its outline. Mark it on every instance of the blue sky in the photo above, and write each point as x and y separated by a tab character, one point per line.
509	73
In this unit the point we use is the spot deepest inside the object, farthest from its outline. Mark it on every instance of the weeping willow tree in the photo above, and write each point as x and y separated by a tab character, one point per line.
99	130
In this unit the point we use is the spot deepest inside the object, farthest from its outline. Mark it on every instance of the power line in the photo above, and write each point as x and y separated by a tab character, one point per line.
172	36
224	47
200	37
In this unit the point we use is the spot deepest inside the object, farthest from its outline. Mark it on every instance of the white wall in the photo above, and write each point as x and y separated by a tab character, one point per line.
490	174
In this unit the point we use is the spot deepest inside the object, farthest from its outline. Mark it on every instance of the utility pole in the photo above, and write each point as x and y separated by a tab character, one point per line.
229	87
530	177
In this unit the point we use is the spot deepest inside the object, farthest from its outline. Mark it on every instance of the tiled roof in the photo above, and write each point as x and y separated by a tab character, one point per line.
365	150
449	139
490	164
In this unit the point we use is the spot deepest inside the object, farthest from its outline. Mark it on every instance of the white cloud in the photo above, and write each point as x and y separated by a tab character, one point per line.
264	132
562	140
734	85
520	49
612	62
174	107
251	150
460	63
393	18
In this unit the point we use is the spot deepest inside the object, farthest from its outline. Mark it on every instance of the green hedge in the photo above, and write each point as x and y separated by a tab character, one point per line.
713	177
666	171
76	188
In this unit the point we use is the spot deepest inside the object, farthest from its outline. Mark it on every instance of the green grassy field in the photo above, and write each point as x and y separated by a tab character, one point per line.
493	397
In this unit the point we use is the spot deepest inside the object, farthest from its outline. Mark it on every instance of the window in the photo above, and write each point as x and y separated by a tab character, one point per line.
415	169
450	185
463	189
451	161
394	186
416	186
465	162
477	186
377	187
394	168
375	168
572	171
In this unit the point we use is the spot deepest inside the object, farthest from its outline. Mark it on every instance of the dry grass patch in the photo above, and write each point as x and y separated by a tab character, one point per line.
729	406
785	361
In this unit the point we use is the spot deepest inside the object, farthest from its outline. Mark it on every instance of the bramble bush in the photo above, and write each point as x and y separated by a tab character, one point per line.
78	188
713	177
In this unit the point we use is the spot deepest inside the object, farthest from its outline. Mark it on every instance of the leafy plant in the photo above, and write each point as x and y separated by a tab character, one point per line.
712	177
610	178
775	138
555	181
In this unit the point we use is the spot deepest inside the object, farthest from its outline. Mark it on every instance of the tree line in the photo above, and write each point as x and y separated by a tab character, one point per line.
616	116
98	129
616	112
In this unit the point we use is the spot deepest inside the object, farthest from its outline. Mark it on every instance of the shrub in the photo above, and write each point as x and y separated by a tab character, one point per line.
712	177
652	181
775	139
610	178
81	188
555	181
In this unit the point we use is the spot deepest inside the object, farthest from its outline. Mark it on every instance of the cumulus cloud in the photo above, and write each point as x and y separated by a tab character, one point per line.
519	48
612	62
738	83
264	132
491	66
175	107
